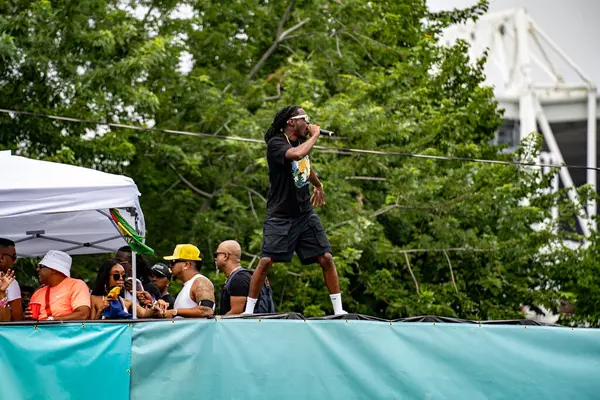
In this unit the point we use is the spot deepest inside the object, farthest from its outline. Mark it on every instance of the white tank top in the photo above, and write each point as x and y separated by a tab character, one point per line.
184	299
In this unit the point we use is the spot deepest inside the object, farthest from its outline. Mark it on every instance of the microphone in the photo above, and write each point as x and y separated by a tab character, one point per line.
326	132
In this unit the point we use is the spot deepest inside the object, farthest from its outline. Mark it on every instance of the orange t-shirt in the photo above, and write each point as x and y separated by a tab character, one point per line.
64	297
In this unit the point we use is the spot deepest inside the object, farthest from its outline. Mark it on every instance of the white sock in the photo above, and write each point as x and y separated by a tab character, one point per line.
250	303
336	300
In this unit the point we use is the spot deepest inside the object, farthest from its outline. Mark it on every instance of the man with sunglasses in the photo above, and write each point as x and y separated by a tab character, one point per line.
62	297
291	224
8	258
197	297
234	292
161	276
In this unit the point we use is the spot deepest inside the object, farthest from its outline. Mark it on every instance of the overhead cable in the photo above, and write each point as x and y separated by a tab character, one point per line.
335	150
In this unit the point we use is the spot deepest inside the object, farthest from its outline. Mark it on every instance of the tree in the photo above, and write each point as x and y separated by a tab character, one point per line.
372	71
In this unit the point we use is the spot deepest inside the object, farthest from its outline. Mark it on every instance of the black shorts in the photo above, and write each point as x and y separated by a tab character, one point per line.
305	235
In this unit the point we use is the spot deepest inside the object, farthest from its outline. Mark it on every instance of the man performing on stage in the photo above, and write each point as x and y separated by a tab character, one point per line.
291	223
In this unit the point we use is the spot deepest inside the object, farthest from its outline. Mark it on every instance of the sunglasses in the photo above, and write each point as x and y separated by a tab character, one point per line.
116	277
12	256
173	262
304	117
219	252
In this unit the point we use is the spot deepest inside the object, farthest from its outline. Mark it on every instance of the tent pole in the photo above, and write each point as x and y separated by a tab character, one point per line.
134	272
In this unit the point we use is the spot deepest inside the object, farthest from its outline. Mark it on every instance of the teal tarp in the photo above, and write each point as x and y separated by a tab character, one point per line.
290	359
66	361
282	359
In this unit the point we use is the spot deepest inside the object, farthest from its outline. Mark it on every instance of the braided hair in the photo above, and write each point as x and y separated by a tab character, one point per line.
280	121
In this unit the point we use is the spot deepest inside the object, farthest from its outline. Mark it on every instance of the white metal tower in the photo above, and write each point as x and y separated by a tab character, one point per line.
533	89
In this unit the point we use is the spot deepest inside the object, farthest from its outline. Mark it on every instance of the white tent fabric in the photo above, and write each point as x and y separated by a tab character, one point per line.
45	205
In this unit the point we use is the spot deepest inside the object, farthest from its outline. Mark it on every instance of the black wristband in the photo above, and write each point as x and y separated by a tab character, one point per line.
207	303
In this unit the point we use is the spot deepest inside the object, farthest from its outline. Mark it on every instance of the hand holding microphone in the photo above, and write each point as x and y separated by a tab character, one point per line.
316	130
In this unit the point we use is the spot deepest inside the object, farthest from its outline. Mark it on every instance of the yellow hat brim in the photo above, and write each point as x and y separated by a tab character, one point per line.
171	258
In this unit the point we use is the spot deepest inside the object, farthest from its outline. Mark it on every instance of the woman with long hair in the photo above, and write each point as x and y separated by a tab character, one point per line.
110	275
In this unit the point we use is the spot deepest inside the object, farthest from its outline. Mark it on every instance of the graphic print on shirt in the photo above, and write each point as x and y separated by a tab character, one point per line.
301	171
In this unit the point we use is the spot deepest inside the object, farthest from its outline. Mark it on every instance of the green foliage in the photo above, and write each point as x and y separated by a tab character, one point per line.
372	71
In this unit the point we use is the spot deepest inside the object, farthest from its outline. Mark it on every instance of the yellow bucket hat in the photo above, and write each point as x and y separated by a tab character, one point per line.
185	252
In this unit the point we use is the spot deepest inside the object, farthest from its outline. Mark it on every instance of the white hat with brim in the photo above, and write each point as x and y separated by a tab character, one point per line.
58	261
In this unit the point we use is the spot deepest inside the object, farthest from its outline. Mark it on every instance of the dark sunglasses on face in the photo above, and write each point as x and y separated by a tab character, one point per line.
219	252
12	256
173	262
116	277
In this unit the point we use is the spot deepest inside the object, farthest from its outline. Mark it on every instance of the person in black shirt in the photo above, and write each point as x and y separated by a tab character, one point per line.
235	290
291	224
161	276
148	291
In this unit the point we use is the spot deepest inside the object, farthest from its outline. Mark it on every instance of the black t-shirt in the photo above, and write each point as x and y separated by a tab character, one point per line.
169	298
239	286
150	287
289	195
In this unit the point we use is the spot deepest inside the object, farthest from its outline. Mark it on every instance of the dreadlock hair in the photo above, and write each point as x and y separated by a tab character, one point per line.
280	121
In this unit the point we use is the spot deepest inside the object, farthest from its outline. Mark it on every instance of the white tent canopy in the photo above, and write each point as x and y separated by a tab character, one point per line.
45	205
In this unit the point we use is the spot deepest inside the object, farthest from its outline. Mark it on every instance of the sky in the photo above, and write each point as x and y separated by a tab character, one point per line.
572	24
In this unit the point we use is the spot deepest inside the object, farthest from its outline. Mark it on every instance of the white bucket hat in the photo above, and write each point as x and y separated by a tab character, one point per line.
58	261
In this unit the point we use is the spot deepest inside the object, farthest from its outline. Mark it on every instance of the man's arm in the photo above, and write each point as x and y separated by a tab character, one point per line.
202	289
314	179
318	197
238	303
299	152
16	310
82	312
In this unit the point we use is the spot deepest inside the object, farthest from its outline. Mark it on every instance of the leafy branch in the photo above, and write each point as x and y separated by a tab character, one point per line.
279	37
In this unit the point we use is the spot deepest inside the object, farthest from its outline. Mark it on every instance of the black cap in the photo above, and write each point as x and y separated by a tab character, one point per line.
161	269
